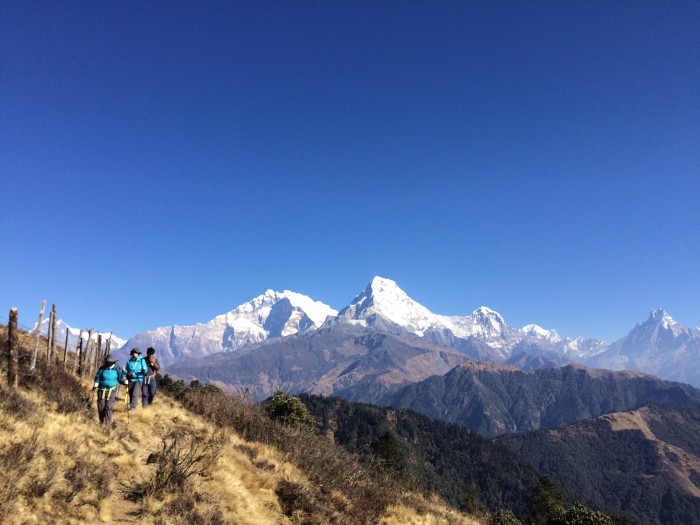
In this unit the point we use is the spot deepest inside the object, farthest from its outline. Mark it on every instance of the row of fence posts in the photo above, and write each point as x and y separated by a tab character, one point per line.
87	356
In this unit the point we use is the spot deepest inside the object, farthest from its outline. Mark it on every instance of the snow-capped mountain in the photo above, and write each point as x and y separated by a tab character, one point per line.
383	305
272	314
74	333
658	346
534	330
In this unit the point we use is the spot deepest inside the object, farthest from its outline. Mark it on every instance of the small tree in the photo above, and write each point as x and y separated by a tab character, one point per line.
547	503
470	501
392	456
581	515
289	410
503	517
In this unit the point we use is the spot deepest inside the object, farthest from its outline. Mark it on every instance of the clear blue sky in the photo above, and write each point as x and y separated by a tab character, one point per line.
164	162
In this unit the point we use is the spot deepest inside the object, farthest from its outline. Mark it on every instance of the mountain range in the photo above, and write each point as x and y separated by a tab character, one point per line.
658	346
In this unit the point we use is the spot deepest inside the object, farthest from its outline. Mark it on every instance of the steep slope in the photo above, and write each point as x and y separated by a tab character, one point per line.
493	399
644	463
272	314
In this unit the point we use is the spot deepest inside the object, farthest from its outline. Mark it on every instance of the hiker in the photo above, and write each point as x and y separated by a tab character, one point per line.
149	380
135	369
106	379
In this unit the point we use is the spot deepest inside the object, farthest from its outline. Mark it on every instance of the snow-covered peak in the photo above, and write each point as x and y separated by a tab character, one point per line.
262	304
661	317
534	330
384	301
484	315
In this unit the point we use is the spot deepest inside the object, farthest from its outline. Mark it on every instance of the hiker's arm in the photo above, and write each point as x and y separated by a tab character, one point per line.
120	376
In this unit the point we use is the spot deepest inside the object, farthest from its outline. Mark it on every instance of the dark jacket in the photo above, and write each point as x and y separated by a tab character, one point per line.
153	365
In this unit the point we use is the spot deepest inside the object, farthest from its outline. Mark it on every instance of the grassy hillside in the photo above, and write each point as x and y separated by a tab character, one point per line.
211	459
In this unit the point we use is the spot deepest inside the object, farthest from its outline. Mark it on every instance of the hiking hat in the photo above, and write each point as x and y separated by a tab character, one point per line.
110	359
135	351
150	351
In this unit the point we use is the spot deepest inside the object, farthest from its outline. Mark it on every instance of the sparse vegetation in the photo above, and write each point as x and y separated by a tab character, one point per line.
221	460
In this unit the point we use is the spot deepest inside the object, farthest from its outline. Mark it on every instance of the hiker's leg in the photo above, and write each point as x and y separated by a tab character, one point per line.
134	393
109	408
144	393
152	391
101	402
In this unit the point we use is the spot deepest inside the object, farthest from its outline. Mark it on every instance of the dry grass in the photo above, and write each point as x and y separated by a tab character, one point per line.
166	465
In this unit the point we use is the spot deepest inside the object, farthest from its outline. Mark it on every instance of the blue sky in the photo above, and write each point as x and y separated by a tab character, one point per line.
164	162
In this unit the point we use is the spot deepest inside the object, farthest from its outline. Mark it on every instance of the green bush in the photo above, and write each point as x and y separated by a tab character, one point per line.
503	517
581	515
289	410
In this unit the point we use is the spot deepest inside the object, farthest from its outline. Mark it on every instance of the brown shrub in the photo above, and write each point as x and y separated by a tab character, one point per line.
328	467
60	387
14	403
179	458
183	509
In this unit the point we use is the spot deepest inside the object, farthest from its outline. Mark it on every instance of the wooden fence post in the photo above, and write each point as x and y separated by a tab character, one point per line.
65	349
98	354
37	335
81	355
12	351
48	335
85	358
78	351
52	336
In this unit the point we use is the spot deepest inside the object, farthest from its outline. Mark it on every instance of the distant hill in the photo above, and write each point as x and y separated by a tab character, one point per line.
493	399
645	462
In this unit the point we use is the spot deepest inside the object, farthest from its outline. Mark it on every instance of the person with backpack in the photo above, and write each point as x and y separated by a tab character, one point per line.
149	380
106	379
135	369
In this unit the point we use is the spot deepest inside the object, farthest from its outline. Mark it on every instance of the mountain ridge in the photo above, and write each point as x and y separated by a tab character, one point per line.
659	345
